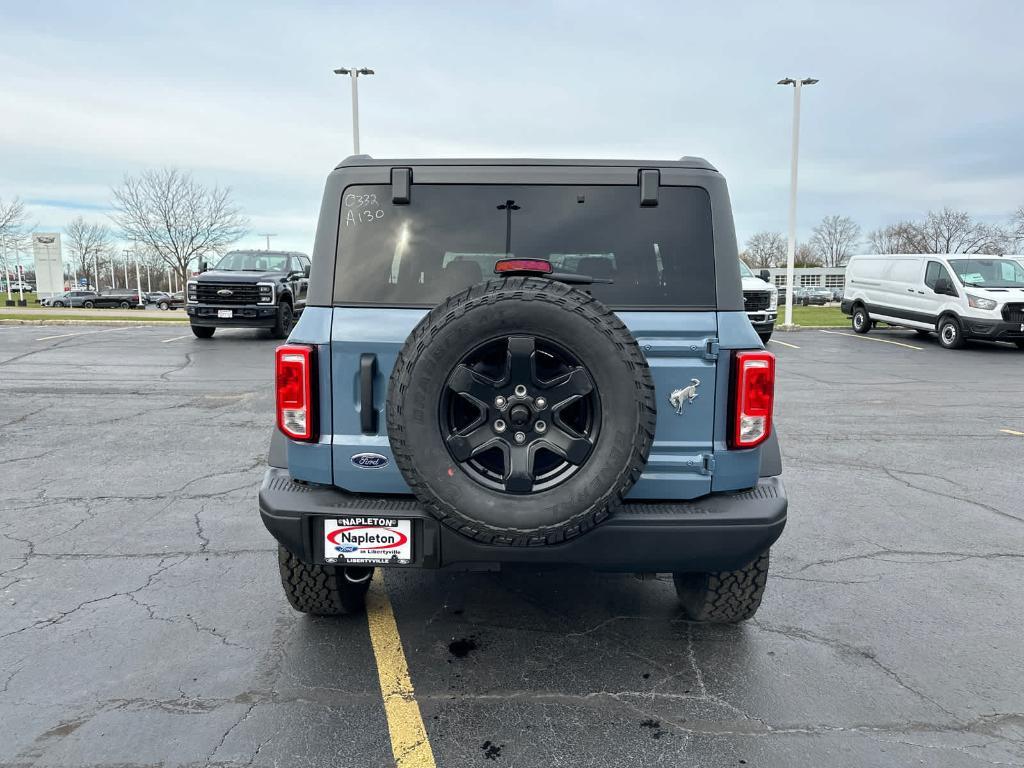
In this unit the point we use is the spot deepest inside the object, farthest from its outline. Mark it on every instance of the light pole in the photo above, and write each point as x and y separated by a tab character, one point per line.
7	271
21	276
138	277
354	74
126	283
268	235
791	250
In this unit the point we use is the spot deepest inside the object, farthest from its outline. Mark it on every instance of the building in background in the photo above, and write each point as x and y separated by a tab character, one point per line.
49	263
811	277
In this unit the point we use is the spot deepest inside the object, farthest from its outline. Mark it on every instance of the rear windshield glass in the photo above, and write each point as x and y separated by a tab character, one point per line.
450	236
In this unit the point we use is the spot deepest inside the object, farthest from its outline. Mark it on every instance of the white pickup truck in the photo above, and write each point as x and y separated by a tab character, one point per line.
760	301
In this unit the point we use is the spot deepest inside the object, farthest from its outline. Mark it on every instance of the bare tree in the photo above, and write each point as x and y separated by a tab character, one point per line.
835	239
13	235
766	249
153	269
13	217
1016	229
88	244
176	217
951	231
901	237
805	256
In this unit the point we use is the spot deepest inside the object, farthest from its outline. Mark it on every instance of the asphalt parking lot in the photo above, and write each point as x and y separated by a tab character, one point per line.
142	623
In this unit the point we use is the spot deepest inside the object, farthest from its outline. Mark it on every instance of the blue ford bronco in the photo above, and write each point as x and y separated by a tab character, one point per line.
540	362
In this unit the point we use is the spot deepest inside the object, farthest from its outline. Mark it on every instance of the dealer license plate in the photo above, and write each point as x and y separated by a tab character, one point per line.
228	313
368	540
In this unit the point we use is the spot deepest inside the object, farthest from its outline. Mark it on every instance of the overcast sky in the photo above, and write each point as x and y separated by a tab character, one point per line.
920	104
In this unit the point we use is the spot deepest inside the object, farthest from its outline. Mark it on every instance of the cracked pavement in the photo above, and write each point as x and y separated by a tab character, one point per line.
142	623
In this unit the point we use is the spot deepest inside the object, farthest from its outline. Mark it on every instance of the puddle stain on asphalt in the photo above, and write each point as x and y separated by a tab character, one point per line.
654	726
491	750
462	647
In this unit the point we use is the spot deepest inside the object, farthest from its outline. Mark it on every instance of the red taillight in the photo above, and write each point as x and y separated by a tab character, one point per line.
753	389
522	265
295	416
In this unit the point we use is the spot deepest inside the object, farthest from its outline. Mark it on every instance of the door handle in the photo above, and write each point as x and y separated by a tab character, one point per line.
367	414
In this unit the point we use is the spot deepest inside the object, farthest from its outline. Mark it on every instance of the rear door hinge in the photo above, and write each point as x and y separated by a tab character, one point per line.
710	349
707	463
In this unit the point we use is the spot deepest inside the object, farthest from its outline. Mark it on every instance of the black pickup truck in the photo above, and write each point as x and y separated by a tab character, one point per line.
249	289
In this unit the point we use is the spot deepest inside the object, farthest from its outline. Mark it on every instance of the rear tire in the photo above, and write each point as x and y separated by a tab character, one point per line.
320	590
88	305
125	305
203	332
163	305
951	334
284	323
861	320
723	597
765	337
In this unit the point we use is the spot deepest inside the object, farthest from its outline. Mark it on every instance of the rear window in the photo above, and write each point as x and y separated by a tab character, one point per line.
450	236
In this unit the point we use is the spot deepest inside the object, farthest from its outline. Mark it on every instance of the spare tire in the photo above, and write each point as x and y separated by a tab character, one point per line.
521	411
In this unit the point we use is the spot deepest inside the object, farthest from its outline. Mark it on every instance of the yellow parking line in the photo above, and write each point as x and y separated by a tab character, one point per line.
784	343
409	743
1012	432
872	338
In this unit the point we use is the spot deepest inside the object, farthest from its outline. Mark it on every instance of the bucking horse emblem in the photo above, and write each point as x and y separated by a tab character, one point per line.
681	397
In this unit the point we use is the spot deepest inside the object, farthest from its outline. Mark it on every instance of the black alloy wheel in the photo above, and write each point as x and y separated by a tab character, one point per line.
520	414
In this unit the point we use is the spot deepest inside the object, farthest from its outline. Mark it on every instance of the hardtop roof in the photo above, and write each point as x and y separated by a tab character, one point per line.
684	162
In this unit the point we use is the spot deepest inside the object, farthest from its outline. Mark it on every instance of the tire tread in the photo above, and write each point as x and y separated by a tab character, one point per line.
320	590
723	597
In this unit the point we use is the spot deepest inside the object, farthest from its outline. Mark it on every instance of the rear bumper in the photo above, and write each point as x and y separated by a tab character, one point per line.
244	316
721	531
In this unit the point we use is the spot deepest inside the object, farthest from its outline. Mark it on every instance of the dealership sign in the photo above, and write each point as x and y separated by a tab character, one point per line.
49	264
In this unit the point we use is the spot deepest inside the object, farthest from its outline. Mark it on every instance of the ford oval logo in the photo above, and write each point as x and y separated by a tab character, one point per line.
370	460
225	292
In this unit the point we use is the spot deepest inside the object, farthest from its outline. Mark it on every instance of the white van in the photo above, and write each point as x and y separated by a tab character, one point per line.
957	296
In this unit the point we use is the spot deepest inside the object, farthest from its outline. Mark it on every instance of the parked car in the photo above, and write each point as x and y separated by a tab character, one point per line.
85	299
448	403
799	296
818	296
167	301
957	296
120	298
837	294
249	289
760	301
19	286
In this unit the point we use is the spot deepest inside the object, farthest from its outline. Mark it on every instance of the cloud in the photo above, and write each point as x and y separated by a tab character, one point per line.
916	107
